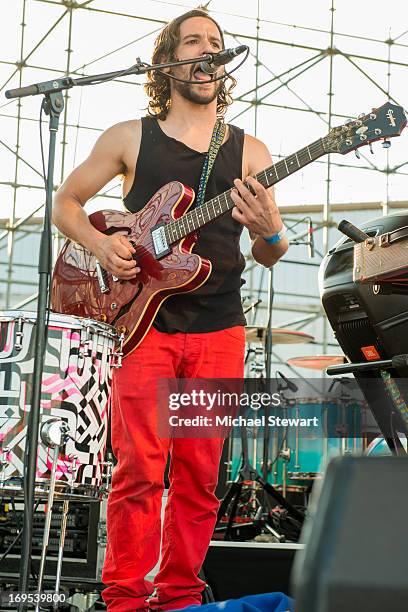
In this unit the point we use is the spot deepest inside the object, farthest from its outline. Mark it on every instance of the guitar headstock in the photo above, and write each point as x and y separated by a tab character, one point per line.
382	123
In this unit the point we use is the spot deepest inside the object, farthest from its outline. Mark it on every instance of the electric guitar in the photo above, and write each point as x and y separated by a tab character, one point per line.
164	233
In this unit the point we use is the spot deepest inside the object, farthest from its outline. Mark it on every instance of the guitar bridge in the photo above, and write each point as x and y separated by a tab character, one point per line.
160	244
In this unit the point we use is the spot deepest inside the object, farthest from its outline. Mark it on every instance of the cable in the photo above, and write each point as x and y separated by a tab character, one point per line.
120	74
212	80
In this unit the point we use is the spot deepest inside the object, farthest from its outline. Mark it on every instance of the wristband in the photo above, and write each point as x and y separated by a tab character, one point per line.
276	237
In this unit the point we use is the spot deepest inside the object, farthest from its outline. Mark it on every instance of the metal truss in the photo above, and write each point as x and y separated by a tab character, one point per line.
17	230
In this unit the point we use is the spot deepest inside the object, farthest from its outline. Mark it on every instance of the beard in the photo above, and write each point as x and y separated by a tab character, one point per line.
194	94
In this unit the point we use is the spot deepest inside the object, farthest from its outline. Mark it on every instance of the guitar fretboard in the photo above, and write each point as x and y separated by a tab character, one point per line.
198	217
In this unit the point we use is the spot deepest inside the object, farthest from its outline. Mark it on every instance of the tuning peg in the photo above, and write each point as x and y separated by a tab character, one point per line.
386	143
357	152
370	144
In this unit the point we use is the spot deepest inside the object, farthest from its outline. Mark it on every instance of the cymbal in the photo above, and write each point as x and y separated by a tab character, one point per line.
254	333
316	362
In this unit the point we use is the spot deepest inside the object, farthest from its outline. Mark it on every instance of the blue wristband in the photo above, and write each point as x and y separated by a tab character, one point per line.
276	237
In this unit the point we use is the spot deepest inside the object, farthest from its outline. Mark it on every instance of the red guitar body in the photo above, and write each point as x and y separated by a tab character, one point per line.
130	306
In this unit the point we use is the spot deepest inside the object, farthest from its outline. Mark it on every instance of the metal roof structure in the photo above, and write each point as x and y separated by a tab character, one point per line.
310	67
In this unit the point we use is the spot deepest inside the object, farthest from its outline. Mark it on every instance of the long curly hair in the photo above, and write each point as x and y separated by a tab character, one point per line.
158	84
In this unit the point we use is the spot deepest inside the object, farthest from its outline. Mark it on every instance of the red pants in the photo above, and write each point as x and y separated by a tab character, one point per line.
134	525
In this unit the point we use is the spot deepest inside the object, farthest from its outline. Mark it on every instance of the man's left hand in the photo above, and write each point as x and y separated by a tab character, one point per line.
258	212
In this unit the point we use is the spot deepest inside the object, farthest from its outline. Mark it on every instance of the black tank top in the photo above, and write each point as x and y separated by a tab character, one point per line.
216	304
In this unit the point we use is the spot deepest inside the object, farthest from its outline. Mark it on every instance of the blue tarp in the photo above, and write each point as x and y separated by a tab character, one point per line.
267	602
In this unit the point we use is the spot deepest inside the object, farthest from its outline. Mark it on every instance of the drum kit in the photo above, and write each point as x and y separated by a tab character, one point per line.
79	357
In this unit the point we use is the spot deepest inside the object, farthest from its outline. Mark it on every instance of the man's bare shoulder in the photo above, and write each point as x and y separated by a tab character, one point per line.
123	131
120	143
256	154
253	144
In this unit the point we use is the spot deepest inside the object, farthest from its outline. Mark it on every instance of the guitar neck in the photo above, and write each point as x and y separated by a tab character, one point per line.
198	217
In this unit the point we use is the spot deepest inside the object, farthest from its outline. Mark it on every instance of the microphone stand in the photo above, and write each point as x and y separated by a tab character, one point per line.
53	105
268	371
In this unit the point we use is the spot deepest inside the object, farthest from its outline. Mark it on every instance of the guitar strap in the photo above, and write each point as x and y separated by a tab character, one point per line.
215	143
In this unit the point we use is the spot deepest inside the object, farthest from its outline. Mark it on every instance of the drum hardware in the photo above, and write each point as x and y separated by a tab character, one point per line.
325	433
18	345
64	517
258	365
252	306
4	462
285	454
297	441
304	475
268	465
54	435
272	534
107	469
85	349
117	356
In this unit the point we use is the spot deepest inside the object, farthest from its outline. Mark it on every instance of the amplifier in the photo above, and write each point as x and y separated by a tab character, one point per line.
367	326
85	541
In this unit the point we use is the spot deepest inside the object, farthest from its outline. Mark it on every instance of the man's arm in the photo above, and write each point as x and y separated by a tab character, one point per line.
258	212
107	160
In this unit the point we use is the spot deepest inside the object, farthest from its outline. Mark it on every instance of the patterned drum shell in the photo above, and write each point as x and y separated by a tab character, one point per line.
75	388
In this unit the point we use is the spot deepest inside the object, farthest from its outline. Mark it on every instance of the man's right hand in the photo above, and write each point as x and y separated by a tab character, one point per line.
114	253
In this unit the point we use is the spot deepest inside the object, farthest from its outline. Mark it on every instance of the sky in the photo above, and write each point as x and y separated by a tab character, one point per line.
291	33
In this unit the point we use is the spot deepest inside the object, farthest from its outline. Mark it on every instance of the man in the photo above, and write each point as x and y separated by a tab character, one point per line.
195	335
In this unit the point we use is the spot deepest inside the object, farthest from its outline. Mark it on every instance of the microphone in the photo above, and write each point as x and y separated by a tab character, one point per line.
350	230
290	385
221	58
310	245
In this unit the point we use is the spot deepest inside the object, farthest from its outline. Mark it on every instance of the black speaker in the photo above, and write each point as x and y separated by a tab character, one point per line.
356	539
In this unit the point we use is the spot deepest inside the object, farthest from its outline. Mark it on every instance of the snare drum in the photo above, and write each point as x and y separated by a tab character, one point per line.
75	389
